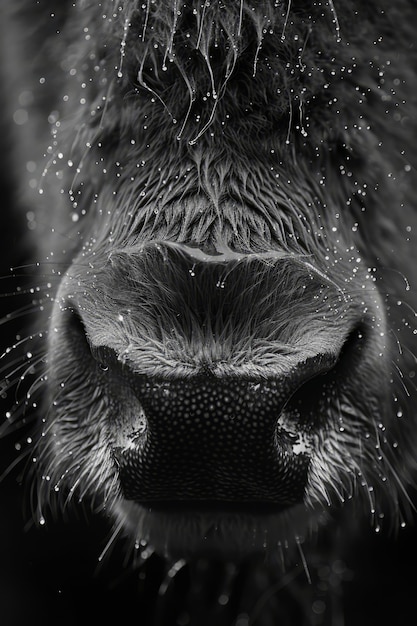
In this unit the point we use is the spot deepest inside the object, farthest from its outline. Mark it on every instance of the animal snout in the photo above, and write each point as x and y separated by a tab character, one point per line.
221	386
225	441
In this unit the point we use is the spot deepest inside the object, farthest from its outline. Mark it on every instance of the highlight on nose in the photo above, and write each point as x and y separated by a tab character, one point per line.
211	440
220	440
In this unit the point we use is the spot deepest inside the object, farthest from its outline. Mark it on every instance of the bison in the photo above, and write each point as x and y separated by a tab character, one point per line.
220	360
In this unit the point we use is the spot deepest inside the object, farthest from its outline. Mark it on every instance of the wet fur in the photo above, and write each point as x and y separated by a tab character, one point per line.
214	185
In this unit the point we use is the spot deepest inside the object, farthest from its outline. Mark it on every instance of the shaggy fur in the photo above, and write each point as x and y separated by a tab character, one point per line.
227	340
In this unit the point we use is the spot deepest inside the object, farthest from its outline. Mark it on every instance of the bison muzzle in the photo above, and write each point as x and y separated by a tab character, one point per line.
228	218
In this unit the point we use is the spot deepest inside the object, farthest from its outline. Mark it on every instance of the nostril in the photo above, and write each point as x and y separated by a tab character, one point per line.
352	347
75	328
310	369
319	376
350	354
105	357
69	333
72	324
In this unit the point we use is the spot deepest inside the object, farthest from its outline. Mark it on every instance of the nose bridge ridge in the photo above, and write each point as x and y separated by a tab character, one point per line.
219	288
170	307
245	300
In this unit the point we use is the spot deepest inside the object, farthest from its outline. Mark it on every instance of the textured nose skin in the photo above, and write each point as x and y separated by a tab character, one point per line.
215	440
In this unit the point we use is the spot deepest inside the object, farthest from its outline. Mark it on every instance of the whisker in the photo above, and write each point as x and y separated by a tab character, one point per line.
303	559
12	466
116	532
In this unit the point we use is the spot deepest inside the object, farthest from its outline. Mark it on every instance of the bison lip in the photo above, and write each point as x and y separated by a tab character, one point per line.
208	507
215	530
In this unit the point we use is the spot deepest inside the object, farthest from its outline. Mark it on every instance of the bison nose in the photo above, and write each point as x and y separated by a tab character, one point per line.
224	440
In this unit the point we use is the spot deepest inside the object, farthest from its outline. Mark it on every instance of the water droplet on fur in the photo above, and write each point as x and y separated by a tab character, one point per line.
318	607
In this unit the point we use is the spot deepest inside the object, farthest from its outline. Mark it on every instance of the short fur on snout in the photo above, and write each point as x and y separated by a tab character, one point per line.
171	335
231	345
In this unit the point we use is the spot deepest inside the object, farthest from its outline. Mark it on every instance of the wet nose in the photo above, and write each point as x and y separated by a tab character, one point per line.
205	438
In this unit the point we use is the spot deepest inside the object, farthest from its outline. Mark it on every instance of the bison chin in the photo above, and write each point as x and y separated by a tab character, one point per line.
214	403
